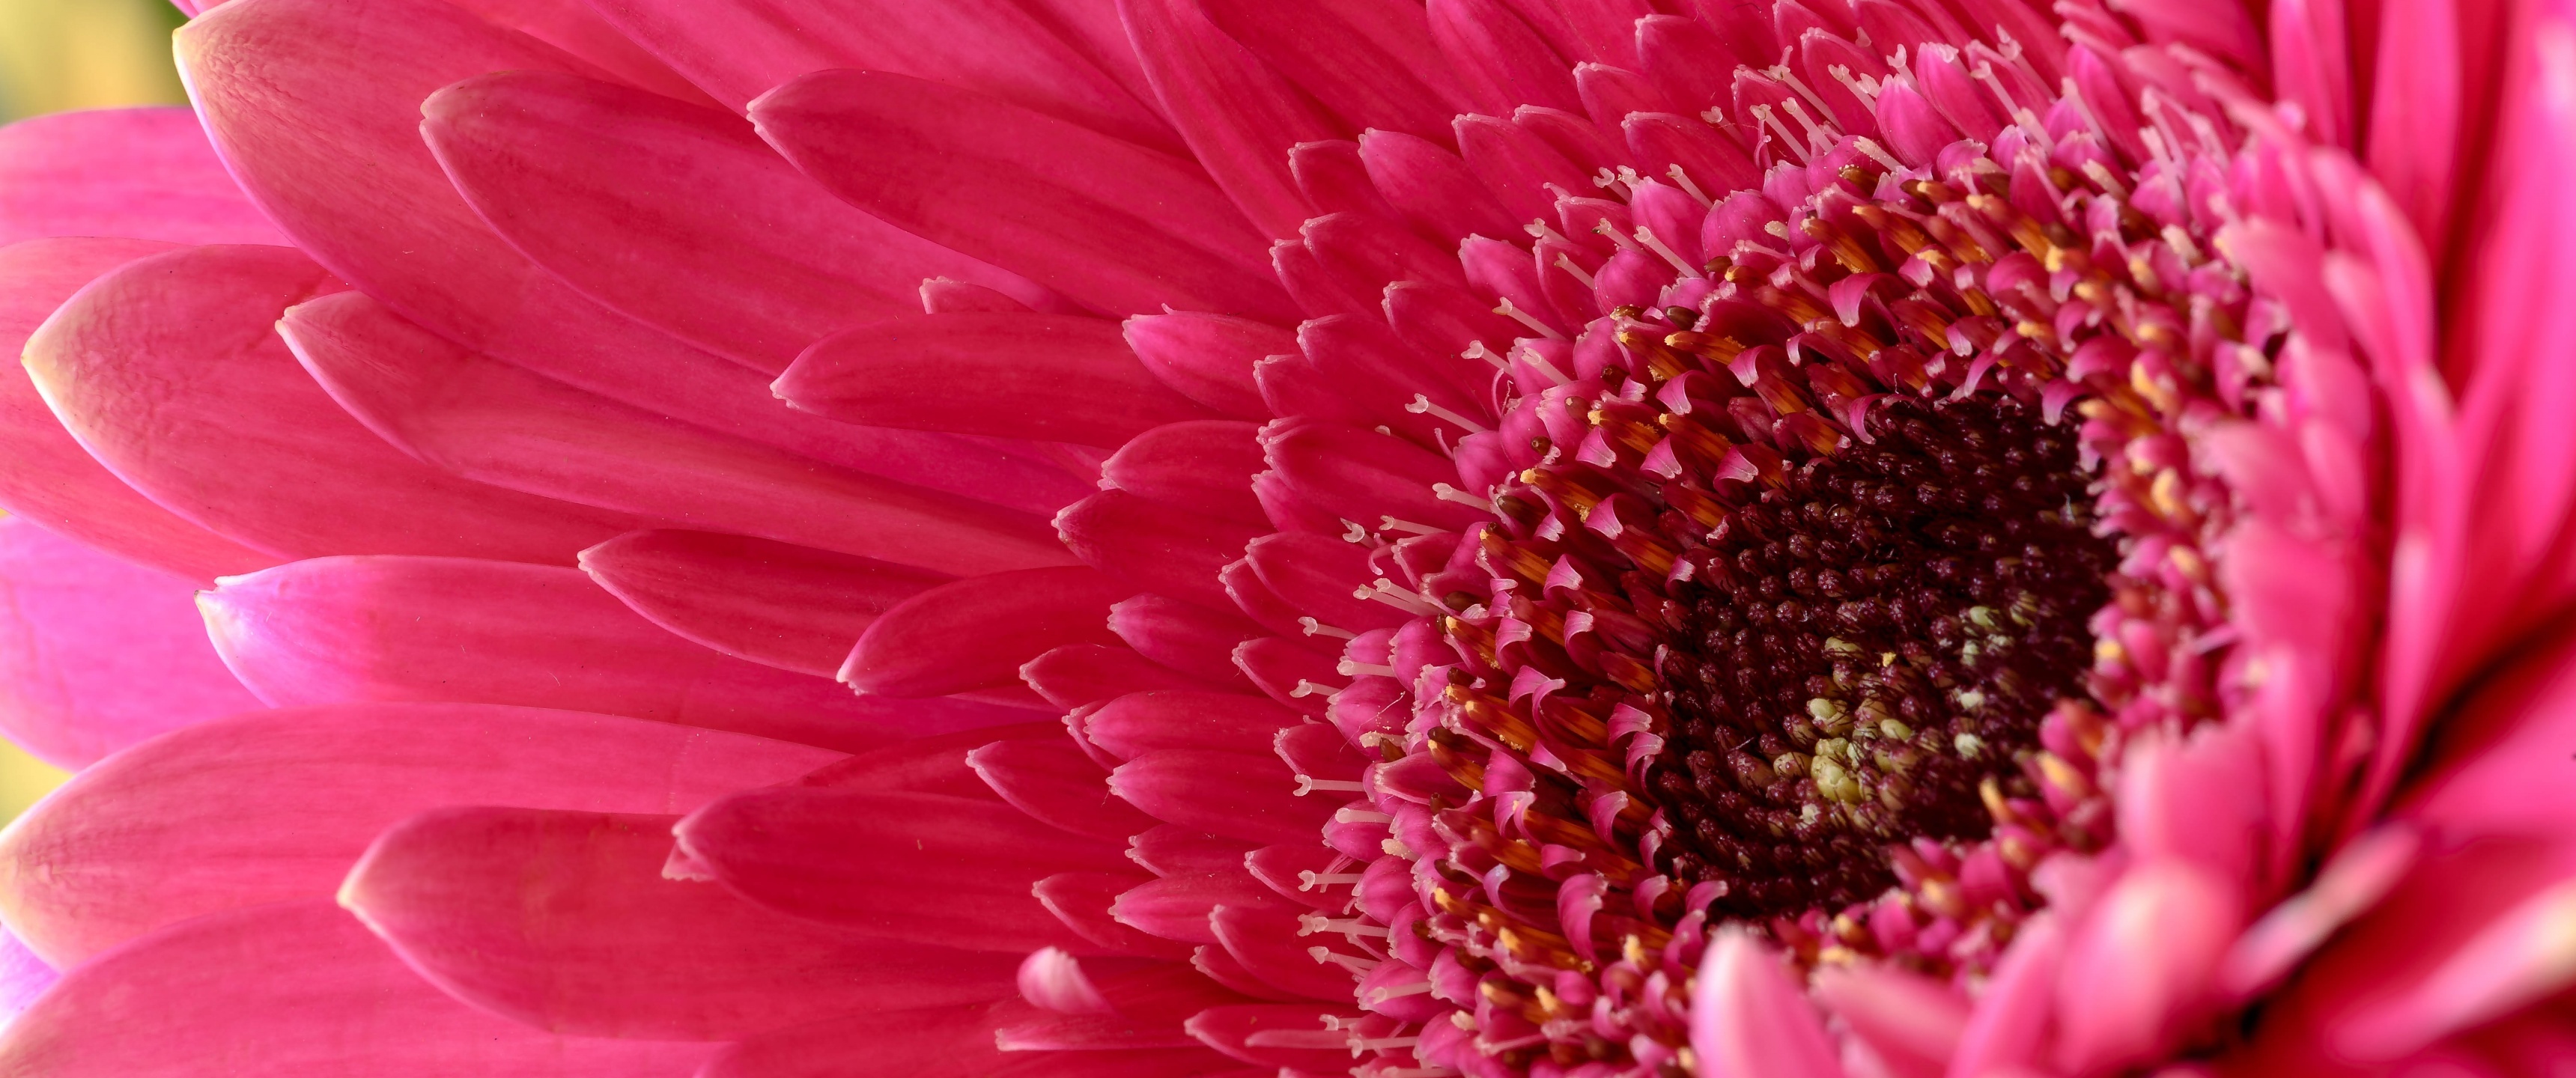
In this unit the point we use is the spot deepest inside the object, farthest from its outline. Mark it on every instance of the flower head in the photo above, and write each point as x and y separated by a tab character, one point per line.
1793	538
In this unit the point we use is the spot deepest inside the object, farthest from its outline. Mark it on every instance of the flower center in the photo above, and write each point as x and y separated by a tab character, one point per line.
1874	640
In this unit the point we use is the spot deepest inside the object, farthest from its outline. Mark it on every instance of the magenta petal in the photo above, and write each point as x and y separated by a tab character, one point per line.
1247	797
450	629
950	871
277	805
145	173
740	48
170	372
503	425
97	654
294	988
1056	784
1749	1020
1209	357
1154	546
563	920
47	477
1205	467
976	633
792	607
1375	64
1106	222
1233	109
309	106
738	254
936	1042
1050	377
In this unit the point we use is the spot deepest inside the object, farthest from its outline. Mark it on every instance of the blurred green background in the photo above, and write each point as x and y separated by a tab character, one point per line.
77	54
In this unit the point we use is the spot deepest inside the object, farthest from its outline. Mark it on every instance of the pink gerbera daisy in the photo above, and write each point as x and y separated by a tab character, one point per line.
1554	538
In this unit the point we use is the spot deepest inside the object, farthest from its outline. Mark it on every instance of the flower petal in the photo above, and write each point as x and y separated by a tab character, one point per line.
1154	546
976	633
451	629
146	173
318	116
1107	222
950	871
1749	1020
1233	109
169	371
294	988
1239	796
1375	64
563	920
792	607
48	477
738	253
503	425
740	48
97	654
277	805
1053	377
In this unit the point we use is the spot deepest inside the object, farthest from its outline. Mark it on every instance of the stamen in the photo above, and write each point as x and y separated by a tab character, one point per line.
1647	237
1539	362
1788	139
1357	965
1317	628
1385	591
1311	880
1393	524
1422	405
1477	350
1878	153
1307	785
1682	179
1356	814
1566	263
1447	493
1310	923
1508	310
1348	668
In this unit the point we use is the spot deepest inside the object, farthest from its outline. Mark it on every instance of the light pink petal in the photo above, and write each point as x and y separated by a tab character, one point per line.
1375	64
47	476
563	920
145	173
170	372
1898	1012
1749	1020
318	114
1053	377
738	253
2415	109
951	871
97	653
23	976
505	426
792	607
295	988
976	633
451	629
277	805
2139	967
1234	110
2521	956
1109	223
738	49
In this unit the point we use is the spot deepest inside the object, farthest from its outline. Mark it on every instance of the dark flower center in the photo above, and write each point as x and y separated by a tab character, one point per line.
1874	640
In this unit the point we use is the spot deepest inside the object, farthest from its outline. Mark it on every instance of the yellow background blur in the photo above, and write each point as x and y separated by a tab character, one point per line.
76	54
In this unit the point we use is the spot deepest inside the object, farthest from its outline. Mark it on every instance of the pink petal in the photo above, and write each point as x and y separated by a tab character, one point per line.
1056	784
2138	968
935	1042
1374	64
2415	110
294	988
1077	675
1109	223
1269	944
505	426
563	920
450	629
792	607
97	654
1749	1020
1155	547
976	633
48	477
1184	636
1247	797
574	27
1276	1035
1082	900
738	254
1209	357
1177	907
1132	726
1233	110
1205	467
1053	377
145	173
155	367
277	805
950	871
737	50
318	115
